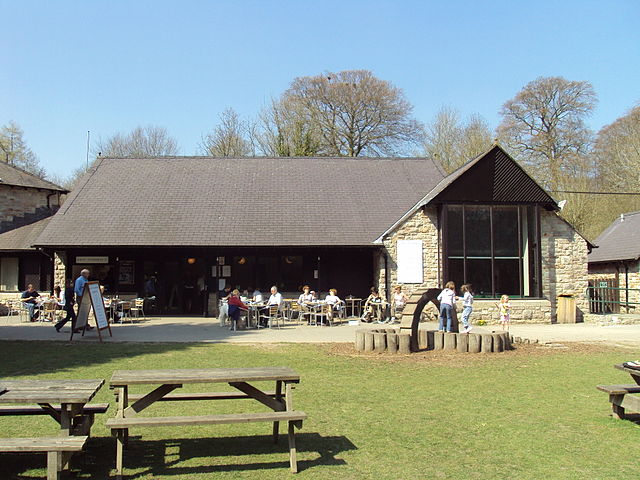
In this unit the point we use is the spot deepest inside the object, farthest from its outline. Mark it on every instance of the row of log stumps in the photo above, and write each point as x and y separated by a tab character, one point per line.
391	340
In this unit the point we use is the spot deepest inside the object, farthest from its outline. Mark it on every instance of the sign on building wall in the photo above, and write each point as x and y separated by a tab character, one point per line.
410	267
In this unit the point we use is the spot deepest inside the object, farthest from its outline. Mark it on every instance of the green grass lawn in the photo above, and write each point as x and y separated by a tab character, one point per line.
526	414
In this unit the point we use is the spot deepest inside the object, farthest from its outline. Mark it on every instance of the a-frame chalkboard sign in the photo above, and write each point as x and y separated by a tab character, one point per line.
92	299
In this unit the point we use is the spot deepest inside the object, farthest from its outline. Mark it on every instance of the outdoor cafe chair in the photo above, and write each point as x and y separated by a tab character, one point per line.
48	312
271	314
124	310
137	308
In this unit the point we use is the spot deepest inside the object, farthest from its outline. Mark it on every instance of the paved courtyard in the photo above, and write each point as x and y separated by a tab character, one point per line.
198	329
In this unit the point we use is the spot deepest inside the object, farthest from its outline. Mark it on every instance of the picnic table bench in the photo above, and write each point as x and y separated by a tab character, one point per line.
53	446
279	401
63	400
622	397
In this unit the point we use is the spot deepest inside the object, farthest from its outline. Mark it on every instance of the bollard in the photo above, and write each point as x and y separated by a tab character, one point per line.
438	340
475	341
404	343
450	341
392	342
462	344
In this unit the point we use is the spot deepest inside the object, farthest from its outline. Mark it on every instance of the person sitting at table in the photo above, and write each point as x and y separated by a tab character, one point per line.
372	306
235	307
30	298
335	302
398	303
274	300
304	300
256	296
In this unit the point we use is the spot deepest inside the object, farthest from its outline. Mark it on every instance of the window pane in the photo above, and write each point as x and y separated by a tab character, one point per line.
455	271
477	232
505	231
454	231
507	277
9	274
479	275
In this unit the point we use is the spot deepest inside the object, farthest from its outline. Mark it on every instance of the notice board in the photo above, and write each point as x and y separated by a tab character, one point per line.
92	300
410	266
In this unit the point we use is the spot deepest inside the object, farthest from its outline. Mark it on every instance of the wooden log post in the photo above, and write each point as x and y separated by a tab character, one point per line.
368	341
430	340
379	342
438	340
475	340
497	342
486	345
463	342
422	340
404	343
392	342
360	340
506	341
450	341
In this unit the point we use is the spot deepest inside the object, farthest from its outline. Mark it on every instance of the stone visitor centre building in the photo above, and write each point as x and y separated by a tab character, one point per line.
189	225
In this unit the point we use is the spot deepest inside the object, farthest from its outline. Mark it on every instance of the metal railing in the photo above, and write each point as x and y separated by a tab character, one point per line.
612	299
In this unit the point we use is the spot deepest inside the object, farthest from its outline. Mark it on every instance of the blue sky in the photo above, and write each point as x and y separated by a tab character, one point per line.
109	66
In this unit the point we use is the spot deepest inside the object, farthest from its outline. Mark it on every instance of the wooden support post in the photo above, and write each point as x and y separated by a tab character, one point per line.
293	461
449	341
497	342
368	341
392	342
404	343
360	340
422	339
463	342
430	340
379	342
487	343
475	340
438	340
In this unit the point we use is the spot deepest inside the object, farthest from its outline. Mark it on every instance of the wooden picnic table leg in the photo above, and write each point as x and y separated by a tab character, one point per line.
293	461
276	425
53	466
122	434
62	458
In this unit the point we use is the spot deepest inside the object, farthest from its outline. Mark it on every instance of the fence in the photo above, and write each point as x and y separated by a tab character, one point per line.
604	298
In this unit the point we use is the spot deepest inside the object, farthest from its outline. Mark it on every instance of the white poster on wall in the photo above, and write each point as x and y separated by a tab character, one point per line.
410	268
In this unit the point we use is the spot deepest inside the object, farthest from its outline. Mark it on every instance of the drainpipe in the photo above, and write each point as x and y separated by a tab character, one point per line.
626	283
386	277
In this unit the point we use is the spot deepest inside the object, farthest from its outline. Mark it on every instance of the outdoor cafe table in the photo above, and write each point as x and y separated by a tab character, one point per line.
166	381
72	395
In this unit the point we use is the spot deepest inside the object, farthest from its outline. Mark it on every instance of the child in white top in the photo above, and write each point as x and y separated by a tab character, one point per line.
447	298
334	301
467	304
505	308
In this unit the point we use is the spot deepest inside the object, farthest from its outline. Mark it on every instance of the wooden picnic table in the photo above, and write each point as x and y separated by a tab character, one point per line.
64	400
624	397
166	381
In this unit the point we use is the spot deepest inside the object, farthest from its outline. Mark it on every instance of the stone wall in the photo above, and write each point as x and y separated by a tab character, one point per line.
422	225
59	268
564	262
17	201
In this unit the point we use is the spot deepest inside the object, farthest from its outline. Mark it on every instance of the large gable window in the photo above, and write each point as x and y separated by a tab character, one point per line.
493	247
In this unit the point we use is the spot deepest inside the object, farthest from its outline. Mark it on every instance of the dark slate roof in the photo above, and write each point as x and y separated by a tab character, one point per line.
22	238
620	241
11	175
202	201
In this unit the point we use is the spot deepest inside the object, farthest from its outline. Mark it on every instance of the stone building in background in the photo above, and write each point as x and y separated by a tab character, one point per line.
26	203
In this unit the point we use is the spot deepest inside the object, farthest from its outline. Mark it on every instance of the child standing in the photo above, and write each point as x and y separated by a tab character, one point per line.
467	303
504	307
447	298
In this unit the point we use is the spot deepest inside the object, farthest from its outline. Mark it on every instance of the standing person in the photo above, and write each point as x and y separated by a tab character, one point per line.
79	284
398	303
467	304
505	308
30	299
447	299
69	302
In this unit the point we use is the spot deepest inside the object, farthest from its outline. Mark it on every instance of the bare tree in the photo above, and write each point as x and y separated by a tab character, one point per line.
14	150
354	113
454	142
286	131
544	126
229	138
149	141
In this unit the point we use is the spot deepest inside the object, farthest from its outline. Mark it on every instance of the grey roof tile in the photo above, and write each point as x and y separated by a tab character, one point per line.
11	175
620	240
202	201
22	238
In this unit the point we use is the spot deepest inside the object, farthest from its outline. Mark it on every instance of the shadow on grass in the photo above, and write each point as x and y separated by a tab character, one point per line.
23	358
98	460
